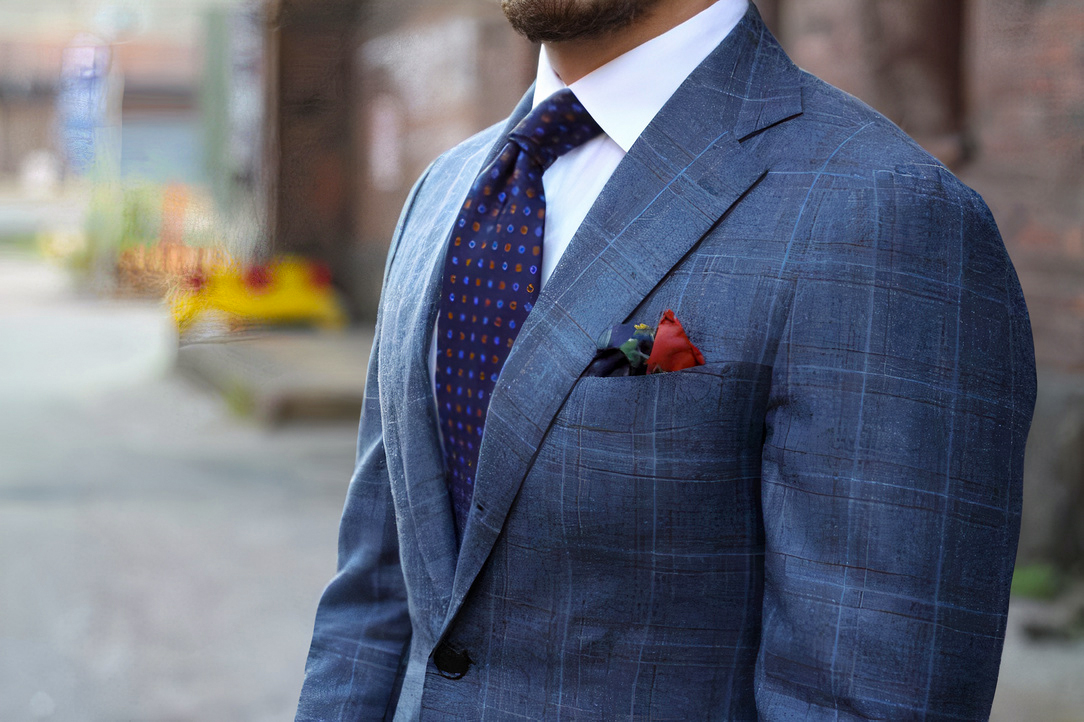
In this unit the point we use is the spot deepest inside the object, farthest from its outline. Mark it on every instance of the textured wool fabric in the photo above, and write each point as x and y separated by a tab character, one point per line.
819	523
492	275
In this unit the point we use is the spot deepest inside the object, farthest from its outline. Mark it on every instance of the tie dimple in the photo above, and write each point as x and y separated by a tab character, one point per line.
555	127
492	274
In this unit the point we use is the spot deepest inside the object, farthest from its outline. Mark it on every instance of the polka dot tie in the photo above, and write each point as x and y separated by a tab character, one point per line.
492	274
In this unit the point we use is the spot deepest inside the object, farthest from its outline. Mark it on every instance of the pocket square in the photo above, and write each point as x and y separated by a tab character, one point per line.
672	350
634	349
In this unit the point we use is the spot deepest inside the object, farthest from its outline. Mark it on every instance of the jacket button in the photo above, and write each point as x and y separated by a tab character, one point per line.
450	663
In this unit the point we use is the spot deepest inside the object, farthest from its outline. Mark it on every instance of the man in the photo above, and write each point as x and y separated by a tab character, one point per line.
814	518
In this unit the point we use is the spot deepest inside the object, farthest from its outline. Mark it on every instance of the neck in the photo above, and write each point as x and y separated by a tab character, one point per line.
573	59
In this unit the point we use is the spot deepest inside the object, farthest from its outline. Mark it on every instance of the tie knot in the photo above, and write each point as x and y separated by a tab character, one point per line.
557	125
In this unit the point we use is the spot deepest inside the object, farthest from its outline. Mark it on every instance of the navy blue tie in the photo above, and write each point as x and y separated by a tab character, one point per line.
492	274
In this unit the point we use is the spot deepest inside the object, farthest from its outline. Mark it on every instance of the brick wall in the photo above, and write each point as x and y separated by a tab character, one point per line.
430	74
1026	99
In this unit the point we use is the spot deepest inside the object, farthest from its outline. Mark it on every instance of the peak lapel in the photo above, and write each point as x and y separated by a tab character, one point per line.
410	431
677	181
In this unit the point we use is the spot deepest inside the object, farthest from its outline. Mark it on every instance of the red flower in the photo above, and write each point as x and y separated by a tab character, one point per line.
320	274
672	351
258	278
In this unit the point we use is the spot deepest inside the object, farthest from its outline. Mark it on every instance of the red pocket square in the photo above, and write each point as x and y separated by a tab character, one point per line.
672	350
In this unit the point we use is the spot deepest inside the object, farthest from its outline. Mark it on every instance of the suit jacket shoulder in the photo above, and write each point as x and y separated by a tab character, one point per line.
870	181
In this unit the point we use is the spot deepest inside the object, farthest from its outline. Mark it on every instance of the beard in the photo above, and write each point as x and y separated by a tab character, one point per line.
551	21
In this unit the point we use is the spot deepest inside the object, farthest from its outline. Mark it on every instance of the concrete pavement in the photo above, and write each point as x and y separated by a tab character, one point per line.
160	558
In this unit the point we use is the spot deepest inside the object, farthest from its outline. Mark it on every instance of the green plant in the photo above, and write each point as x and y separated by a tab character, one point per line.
1037	581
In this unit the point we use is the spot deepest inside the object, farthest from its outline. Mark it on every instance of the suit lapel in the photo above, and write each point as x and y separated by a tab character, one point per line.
413	286
677	181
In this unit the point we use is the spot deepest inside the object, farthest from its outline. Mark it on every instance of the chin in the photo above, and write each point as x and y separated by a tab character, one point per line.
549	21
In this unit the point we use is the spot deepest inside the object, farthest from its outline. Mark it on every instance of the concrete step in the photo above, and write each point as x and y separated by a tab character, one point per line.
284	376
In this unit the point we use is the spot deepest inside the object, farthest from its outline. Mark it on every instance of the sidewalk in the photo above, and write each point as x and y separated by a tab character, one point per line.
1040	681
160	557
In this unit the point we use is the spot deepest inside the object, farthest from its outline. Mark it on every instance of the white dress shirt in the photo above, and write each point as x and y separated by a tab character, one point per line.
622	96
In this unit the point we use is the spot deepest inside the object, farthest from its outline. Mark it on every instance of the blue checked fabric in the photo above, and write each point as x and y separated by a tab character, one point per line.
492	274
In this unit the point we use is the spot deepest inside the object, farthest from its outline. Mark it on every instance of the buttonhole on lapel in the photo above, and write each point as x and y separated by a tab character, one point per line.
479	507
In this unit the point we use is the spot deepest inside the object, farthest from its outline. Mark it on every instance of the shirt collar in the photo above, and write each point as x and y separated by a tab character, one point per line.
627	92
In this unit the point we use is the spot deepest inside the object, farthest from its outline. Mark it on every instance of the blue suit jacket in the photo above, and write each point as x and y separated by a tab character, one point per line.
818	523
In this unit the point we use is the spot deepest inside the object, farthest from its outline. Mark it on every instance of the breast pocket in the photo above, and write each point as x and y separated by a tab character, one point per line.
674	454
676	424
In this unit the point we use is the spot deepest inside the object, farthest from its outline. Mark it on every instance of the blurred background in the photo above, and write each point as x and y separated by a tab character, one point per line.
196	197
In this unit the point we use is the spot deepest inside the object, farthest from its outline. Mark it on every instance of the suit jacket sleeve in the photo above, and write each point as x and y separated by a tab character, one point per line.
901	398
362	625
